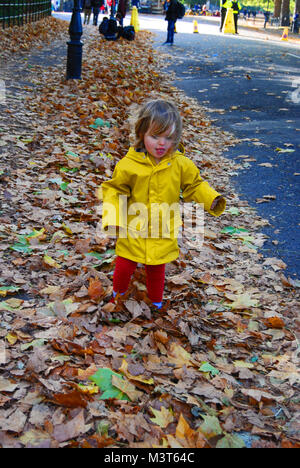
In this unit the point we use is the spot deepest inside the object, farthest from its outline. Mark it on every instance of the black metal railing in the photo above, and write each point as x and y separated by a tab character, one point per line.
19	12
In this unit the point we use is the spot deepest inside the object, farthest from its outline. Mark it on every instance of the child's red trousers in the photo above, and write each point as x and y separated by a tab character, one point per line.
155	278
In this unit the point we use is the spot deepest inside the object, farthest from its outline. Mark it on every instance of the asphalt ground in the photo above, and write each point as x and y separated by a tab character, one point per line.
251	85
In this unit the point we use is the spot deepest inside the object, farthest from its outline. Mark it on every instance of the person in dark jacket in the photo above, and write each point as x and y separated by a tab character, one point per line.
121	11
171	17
96	4
223	14
87	10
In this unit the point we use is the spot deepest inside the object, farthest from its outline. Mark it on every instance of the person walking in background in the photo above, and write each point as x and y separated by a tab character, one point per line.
267	18
171	17
96	4
87	10
236	6
121	11
135	3
223	13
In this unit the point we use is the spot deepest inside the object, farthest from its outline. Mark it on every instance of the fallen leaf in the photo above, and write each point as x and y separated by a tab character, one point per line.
163	417
126	387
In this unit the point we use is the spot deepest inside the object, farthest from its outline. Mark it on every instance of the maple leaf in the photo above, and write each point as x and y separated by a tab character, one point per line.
163	417
210	427
179	356
126	387
187	436
241	301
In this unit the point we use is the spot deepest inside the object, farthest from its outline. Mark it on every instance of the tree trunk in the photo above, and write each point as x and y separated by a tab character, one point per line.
285	13
297	7
277	8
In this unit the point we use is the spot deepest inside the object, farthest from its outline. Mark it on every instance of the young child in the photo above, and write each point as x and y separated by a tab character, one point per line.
141	200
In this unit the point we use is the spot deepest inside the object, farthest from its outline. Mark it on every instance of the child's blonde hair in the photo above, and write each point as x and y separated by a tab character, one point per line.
160	116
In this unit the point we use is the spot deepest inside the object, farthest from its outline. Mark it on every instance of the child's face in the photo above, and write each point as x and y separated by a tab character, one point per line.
158	145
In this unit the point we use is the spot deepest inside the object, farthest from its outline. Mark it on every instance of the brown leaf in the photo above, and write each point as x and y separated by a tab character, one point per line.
71	429
95	290
274	322
72	399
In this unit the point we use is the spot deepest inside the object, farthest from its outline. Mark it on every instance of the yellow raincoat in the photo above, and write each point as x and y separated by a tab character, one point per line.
142	200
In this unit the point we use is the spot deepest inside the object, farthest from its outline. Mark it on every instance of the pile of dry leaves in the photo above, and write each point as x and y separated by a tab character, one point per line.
217	367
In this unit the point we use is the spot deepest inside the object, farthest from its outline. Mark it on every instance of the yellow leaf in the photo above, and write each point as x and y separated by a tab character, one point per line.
11	338
241	301
179	356
126	387
139	378
173	442
50	290
36	234
51	262
187	436
67	229
14	302
163	417
248	365
92	388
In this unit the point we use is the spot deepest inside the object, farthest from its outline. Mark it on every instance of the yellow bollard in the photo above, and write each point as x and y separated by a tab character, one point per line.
134	19
285	34
195	27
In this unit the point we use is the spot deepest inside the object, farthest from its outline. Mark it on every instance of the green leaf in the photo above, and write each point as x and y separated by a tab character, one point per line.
232	230
231	441
5	289
94	254
35	343
70	170
20	247
210	427
5	306
70	153
233	211
65	186
106	257
99	123
206	367
102	378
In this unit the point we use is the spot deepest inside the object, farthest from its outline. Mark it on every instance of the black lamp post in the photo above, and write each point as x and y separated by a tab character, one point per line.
74	58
